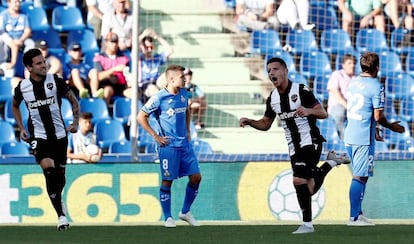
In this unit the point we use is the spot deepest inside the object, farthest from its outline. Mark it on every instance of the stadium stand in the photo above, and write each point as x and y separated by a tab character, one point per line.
371	40
108	131
264	41
120	147
14	148
301	41
390	63
336	41
97	107
5	89
65	19
6	133
86	38
399	86
314	64
37	18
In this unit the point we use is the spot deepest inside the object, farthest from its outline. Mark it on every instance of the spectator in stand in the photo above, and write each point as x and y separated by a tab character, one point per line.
256	14
110	66
78	141
120	22
54	65
45	3
150	63
96	10
15	35
295	13
80	74
367	13
196	99
399	12
337	85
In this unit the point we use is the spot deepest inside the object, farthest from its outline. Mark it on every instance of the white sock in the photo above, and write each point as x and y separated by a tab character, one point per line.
331	163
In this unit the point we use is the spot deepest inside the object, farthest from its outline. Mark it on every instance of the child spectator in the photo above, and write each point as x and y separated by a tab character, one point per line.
196	99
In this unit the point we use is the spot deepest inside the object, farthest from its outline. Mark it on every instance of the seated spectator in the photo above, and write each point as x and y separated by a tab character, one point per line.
337	86
120	22
110	66
96	10
256	14
399	12
15	35
150	63
45	3
54	65
78	141
367	13
196	99
80	74
294	13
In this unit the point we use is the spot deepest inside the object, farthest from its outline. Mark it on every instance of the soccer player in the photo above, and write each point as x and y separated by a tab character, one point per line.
47	135
298	109
365	96
177	159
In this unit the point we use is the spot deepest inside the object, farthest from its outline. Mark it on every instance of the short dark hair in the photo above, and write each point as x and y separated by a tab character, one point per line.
369	62
147	38
86	115
348	57
276	60
29	55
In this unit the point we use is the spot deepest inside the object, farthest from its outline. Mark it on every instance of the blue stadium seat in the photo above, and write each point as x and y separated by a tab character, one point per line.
54	44
120	147
298	78
65	19
393	139
336	41
389	63
122	109
397	43
371	40
15	148
96	106
88	58
108	131
381	146
407	109
287	57
264	42
67	113
320	84
8	113
328	129
399	86
6	133
5	89
323	16
87	39
151	148
389	109
314	64
230	3
201	147
37	18
409	62
301	41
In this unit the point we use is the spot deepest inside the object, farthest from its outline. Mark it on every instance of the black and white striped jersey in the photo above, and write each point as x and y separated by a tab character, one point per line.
43	100
299	131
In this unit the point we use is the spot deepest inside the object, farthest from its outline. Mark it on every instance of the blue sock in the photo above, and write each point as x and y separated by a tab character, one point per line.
165	200
190	194
356	195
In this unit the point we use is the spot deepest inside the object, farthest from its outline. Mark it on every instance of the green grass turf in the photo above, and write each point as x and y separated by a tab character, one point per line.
226	234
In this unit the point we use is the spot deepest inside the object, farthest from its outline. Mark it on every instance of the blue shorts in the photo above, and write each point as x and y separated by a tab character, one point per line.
177	162
362	160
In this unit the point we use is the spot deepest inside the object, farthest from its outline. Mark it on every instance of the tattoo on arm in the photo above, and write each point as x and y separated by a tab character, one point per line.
75	105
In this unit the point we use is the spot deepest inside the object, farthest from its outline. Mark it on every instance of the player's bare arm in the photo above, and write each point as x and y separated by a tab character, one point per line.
18	116
382	120
262	124
75	110
142	119
318	111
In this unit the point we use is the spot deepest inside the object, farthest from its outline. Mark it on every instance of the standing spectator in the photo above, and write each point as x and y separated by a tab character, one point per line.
256	14
80	140
337	85
80	74
177	157
295	13
399	12
96	10
14	31
47	135
150	63
298	109
120	22
365	96
110	66
54	65
196	99
367	13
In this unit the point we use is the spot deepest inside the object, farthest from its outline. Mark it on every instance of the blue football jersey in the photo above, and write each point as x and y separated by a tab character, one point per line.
364	94
169	110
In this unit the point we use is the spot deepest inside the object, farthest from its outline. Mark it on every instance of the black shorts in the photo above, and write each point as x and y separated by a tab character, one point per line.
309	155
54	149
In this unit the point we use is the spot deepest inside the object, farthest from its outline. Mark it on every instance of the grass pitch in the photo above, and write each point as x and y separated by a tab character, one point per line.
216	234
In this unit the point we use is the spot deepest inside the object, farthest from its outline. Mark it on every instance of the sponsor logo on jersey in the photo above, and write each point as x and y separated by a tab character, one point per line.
287	115
49	86
294	97
39	103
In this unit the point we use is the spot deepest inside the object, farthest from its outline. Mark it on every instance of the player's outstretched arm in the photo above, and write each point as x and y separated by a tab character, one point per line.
262	124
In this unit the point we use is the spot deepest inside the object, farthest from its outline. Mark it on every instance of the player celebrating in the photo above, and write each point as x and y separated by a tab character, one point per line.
177	158
47	135
364	109
298	109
